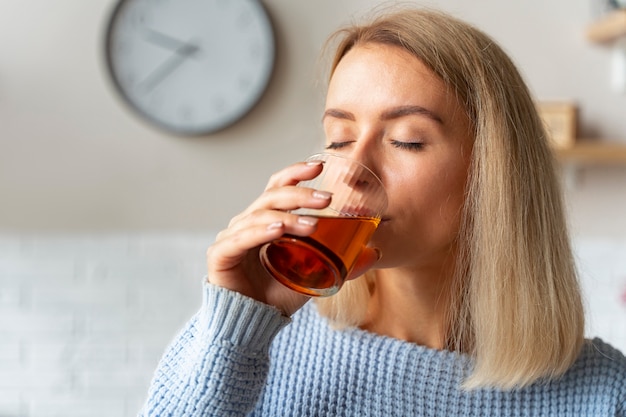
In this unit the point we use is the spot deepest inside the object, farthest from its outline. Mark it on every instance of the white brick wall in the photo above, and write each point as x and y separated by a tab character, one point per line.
84	319
602	265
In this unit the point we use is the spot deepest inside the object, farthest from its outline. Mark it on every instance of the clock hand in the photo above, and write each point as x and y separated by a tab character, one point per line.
169	66
163	40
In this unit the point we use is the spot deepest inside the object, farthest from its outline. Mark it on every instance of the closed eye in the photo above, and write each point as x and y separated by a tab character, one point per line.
338	145
407	145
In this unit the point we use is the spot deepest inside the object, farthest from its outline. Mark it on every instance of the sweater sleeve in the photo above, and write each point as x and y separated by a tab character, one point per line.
218	363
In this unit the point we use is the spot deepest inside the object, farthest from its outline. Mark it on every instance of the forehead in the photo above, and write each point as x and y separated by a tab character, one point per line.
388	75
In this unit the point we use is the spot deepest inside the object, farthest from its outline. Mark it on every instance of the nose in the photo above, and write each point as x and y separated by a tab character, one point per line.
367	151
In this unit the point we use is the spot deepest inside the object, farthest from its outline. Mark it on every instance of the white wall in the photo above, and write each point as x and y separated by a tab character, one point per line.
84	319
104	220
72	157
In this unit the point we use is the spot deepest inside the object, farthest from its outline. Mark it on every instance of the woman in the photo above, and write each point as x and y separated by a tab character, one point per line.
469	304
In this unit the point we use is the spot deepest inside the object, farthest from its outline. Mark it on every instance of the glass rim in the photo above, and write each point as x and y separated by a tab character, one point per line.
315	157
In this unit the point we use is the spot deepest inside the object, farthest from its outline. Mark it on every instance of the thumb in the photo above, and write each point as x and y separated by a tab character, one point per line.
366	260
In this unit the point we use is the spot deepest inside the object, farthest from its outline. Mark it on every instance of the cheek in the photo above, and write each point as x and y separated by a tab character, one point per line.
451	200
435	201
430	186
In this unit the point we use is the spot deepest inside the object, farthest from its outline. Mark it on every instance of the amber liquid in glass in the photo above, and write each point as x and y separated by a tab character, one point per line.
318	264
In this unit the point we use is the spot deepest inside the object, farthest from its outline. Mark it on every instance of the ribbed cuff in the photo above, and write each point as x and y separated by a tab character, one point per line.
239	320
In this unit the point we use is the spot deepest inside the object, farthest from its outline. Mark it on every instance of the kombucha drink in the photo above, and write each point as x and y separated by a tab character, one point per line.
318	264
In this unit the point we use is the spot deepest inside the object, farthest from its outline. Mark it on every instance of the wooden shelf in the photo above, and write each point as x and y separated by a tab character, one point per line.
609	28
594	153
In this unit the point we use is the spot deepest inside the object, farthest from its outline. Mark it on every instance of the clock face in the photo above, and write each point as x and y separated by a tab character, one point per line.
190	66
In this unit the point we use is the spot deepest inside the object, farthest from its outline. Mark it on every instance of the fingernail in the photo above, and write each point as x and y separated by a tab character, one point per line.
307	221
314	163
275	225
323	195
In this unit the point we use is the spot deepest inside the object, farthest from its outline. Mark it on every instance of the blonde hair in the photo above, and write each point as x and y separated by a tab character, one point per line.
515	305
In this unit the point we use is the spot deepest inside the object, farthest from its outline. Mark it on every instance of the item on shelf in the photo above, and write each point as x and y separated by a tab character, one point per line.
560	119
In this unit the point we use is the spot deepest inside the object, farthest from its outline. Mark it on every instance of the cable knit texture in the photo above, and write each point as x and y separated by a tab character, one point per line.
239	357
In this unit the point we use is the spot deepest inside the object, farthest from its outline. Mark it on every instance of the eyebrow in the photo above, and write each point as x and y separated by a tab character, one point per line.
338	114
394	113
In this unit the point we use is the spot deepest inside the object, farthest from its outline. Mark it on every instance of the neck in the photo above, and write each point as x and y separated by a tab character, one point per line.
410	305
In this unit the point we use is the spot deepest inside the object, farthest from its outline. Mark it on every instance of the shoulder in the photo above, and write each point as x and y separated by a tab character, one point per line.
602	366
597	354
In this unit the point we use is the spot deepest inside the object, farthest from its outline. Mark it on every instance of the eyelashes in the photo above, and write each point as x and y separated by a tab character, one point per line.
337	145
411	146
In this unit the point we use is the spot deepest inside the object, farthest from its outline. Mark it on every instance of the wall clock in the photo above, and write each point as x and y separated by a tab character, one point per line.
191	67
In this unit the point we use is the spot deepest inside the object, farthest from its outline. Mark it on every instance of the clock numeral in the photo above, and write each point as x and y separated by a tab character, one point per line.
156	101
245	82
128	18
218	105
140	19
255	51
186	113
129	78
244	19
121	48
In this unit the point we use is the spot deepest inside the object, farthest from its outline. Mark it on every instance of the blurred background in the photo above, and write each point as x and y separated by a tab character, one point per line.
105	218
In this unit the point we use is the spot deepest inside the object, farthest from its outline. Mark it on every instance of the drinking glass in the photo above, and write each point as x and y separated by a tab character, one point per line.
317	265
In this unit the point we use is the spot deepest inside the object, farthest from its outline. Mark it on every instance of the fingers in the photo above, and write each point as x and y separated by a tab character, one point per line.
268	217
285	199
233	260
260	227
231	244
295	173
281	192
231	247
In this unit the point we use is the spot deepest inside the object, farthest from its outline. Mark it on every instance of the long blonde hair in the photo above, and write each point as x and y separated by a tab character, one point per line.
515	304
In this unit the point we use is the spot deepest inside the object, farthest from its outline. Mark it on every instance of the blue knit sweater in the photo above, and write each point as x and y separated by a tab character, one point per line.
239	357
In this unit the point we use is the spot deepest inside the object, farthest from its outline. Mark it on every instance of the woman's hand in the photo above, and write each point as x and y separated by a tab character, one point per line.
233	260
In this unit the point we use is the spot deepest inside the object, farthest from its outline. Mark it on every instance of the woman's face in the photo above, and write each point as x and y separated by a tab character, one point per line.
388	110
